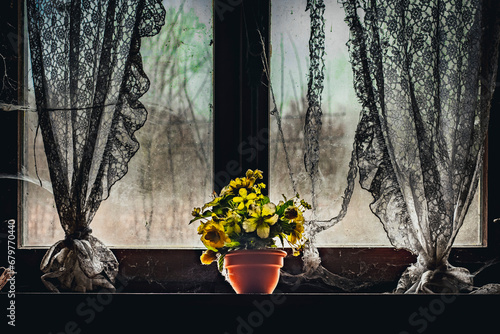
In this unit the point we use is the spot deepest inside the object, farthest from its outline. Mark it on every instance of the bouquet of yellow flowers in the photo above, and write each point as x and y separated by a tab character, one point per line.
241	217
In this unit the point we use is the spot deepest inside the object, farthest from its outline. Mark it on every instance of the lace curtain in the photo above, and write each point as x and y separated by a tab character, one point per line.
88	77
424	71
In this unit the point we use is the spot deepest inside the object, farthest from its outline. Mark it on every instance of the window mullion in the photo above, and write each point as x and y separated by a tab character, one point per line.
241	101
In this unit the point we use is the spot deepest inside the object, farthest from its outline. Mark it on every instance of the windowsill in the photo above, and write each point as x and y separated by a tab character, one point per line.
180	272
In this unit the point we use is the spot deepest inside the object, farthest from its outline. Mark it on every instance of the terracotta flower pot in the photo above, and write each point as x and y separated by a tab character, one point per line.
254	271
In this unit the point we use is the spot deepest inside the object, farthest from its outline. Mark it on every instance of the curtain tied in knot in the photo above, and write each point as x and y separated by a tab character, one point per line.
80	263
443	278
81	234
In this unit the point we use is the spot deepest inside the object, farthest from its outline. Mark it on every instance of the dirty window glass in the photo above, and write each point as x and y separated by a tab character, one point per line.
172	171
290	33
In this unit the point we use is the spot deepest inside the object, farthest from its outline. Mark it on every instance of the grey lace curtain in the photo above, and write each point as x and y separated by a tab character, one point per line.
425	72
88	77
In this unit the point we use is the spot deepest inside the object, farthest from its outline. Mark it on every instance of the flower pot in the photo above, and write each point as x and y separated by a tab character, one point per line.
254	271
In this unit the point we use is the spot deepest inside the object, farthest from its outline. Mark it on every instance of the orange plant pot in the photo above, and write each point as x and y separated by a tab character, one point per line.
254	271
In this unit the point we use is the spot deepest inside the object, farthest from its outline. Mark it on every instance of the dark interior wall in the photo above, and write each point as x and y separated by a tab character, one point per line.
9	51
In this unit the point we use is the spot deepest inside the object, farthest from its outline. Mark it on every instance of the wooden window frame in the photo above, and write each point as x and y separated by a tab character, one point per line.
239	98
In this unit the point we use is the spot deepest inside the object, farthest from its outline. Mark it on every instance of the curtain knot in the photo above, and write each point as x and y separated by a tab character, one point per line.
77	235
445	278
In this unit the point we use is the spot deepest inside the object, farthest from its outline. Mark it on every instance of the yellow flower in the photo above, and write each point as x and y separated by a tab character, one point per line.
298	250
296	235
254	175
293	214
201	228
213	235
240	182
235	185
257	189
260	186
196	212
232	223
260	219
208	256
245	199
246	182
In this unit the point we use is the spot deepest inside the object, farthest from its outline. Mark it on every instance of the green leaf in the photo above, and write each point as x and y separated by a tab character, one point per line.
212	249
220	262
288	227
265	200
281	209
194	219
281	239
203	215
232	244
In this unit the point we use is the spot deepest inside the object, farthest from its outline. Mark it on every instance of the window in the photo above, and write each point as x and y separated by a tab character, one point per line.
172	172
229	134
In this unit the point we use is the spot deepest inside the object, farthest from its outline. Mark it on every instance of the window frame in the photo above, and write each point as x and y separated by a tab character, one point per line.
179	270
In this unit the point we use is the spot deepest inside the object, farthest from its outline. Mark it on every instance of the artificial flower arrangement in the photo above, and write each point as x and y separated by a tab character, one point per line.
241	217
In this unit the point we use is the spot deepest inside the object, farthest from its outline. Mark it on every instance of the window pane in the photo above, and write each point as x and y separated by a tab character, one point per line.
289	66
172	171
